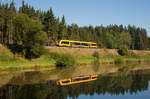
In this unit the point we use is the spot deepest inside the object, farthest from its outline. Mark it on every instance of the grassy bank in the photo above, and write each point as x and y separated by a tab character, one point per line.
82	55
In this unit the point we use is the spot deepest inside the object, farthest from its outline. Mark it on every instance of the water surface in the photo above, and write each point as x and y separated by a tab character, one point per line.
124	84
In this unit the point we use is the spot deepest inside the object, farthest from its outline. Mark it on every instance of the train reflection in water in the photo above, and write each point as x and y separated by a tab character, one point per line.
75	80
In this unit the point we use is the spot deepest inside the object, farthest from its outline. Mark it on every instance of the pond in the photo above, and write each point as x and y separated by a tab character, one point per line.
38	84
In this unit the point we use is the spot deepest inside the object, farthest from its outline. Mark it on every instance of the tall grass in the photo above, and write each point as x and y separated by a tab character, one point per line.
6	56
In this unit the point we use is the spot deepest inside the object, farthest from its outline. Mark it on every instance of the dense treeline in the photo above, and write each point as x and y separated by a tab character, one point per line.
29	29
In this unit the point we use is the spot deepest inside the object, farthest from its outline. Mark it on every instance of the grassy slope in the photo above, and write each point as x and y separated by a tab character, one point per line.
7	59
83	55
106	55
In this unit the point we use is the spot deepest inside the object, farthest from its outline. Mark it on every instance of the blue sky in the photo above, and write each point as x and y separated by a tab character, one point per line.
97	12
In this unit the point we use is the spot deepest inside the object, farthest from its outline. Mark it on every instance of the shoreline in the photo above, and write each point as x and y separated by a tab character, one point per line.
24	67
52	73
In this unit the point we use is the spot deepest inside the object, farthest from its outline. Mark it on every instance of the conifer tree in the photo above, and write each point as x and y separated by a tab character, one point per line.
51	27
2	23
62	29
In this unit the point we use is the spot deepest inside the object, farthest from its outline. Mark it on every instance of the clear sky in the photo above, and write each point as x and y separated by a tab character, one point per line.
97	12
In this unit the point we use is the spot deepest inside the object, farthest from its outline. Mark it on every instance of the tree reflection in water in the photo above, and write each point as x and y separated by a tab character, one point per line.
114	85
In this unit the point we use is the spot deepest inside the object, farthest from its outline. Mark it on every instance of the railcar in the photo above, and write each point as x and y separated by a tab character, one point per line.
70	43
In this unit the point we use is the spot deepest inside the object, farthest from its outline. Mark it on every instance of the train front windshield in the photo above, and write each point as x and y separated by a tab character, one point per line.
58	41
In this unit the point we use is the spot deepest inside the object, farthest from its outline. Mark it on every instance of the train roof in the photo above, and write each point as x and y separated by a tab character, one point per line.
78	41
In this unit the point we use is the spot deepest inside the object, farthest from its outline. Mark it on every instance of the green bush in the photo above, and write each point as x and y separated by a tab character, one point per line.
65	59
119	60
96	54
123	51
55	55
132	54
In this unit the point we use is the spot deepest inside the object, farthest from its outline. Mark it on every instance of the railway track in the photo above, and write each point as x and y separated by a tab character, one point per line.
69	47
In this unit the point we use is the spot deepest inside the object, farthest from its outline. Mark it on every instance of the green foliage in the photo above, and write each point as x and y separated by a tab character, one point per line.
30	36
65	59
123	51
125	39
62	29
96	55
119	60
55	55
109	55
50	24
132	54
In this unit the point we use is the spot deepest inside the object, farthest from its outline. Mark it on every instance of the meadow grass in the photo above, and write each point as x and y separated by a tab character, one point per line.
7	59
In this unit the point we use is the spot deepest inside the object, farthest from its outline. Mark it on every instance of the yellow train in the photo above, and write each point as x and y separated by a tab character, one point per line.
75	80
70	43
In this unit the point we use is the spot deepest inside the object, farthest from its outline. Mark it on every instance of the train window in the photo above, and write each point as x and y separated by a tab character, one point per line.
85	78
84	44
67	81
76	79
93	44
80	79
58	41
94	77
76	43
64	42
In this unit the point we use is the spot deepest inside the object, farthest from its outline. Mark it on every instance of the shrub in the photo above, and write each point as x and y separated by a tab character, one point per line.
123	51
132	54
96	54
119	60
65	59
55	55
